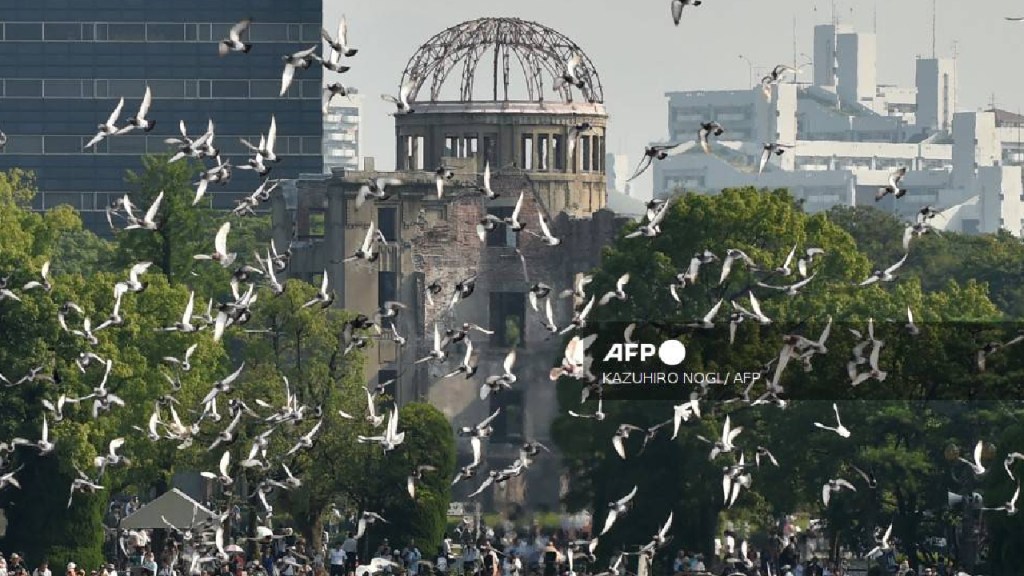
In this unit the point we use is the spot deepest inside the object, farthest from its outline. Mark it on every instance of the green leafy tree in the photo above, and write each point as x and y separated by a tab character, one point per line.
428	441
902	425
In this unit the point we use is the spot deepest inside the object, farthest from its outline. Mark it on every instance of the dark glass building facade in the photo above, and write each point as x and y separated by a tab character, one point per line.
65	63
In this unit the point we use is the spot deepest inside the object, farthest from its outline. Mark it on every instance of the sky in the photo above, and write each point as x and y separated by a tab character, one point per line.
640	55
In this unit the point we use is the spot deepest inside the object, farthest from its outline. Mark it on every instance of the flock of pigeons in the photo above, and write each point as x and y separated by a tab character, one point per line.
166	425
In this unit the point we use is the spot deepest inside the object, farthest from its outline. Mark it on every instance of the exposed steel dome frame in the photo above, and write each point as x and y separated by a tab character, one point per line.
540	52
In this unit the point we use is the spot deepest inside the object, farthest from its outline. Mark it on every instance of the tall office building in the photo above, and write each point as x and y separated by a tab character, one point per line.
936	93
64	65
343	136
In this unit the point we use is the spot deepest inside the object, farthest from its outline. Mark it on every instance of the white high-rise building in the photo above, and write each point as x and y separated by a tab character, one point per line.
847	133
856	54
936	93
618	170
343	134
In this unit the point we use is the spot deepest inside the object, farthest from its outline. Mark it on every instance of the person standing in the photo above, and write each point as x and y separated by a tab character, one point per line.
351	547
513	566
551	557
43	570
412	558
337	558
490	558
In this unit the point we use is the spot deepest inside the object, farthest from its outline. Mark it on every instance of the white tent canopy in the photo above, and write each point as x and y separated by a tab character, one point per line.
174	505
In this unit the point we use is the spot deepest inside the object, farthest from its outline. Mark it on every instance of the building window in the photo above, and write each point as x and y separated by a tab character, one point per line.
508	425
62	31
387	222
526	152
127	32
418	152
507	318
316	224
386	375
471	147
585	152
542	152
449	146
598	145
557	146
54	88
490	150
164	32
23	88
501	236
23	31
387	287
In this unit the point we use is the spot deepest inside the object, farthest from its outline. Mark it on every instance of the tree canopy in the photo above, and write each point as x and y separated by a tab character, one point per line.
934	396
287	354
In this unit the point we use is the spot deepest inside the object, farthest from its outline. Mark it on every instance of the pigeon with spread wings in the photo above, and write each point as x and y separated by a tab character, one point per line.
651	153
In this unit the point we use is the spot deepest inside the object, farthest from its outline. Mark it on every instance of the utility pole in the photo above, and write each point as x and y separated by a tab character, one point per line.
934	9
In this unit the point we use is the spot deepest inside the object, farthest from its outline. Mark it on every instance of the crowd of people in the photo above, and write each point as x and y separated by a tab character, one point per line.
482	552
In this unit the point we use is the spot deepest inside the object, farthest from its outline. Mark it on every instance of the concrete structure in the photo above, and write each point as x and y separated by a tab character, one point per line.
343	134
849	133
526	144
101	50
936	93
619	170
856	55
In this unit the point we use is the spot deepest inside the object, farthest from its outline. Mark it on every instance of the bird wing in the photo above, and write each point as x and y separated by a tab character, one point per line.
117	112
518	208
644	163
225	461
625	499
619	448
405	92
896	266
474	443
714	311
489	419
147	99
789	258
186	318
756	306
826	493
286	78
154	207
726	268
323	283
544	225
220	241
677	11
764	159
343	31
612	514
510	360
977	452
272	134
235	34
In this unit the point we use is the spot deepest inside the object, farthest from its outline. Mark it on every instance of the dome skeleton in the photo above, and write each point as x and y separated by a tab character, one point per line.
541	54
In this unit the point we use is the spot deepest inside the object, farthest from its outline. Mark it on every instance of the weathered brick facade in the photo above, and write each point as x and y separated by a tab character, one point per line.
436	240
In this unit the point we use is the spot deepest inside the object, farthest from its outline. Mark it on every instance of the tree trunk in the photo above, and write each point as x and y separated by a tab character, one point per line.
316	527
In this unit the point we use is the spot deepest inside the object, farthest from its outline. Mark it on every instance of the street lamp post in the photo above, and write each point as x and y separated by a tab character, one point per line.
750	70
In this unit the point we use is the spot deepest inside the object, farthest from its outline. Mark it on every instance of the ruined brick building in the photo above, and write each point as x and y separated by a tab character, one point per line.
526	143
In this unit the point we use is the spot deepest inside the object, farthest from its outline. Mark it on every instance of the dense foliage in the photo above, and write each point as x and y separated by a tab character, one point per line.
283	347
934	401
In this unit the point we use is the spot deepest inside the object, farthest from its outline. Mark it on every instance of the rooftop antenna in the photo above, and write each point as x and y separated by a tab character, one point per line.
933	28
794	47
